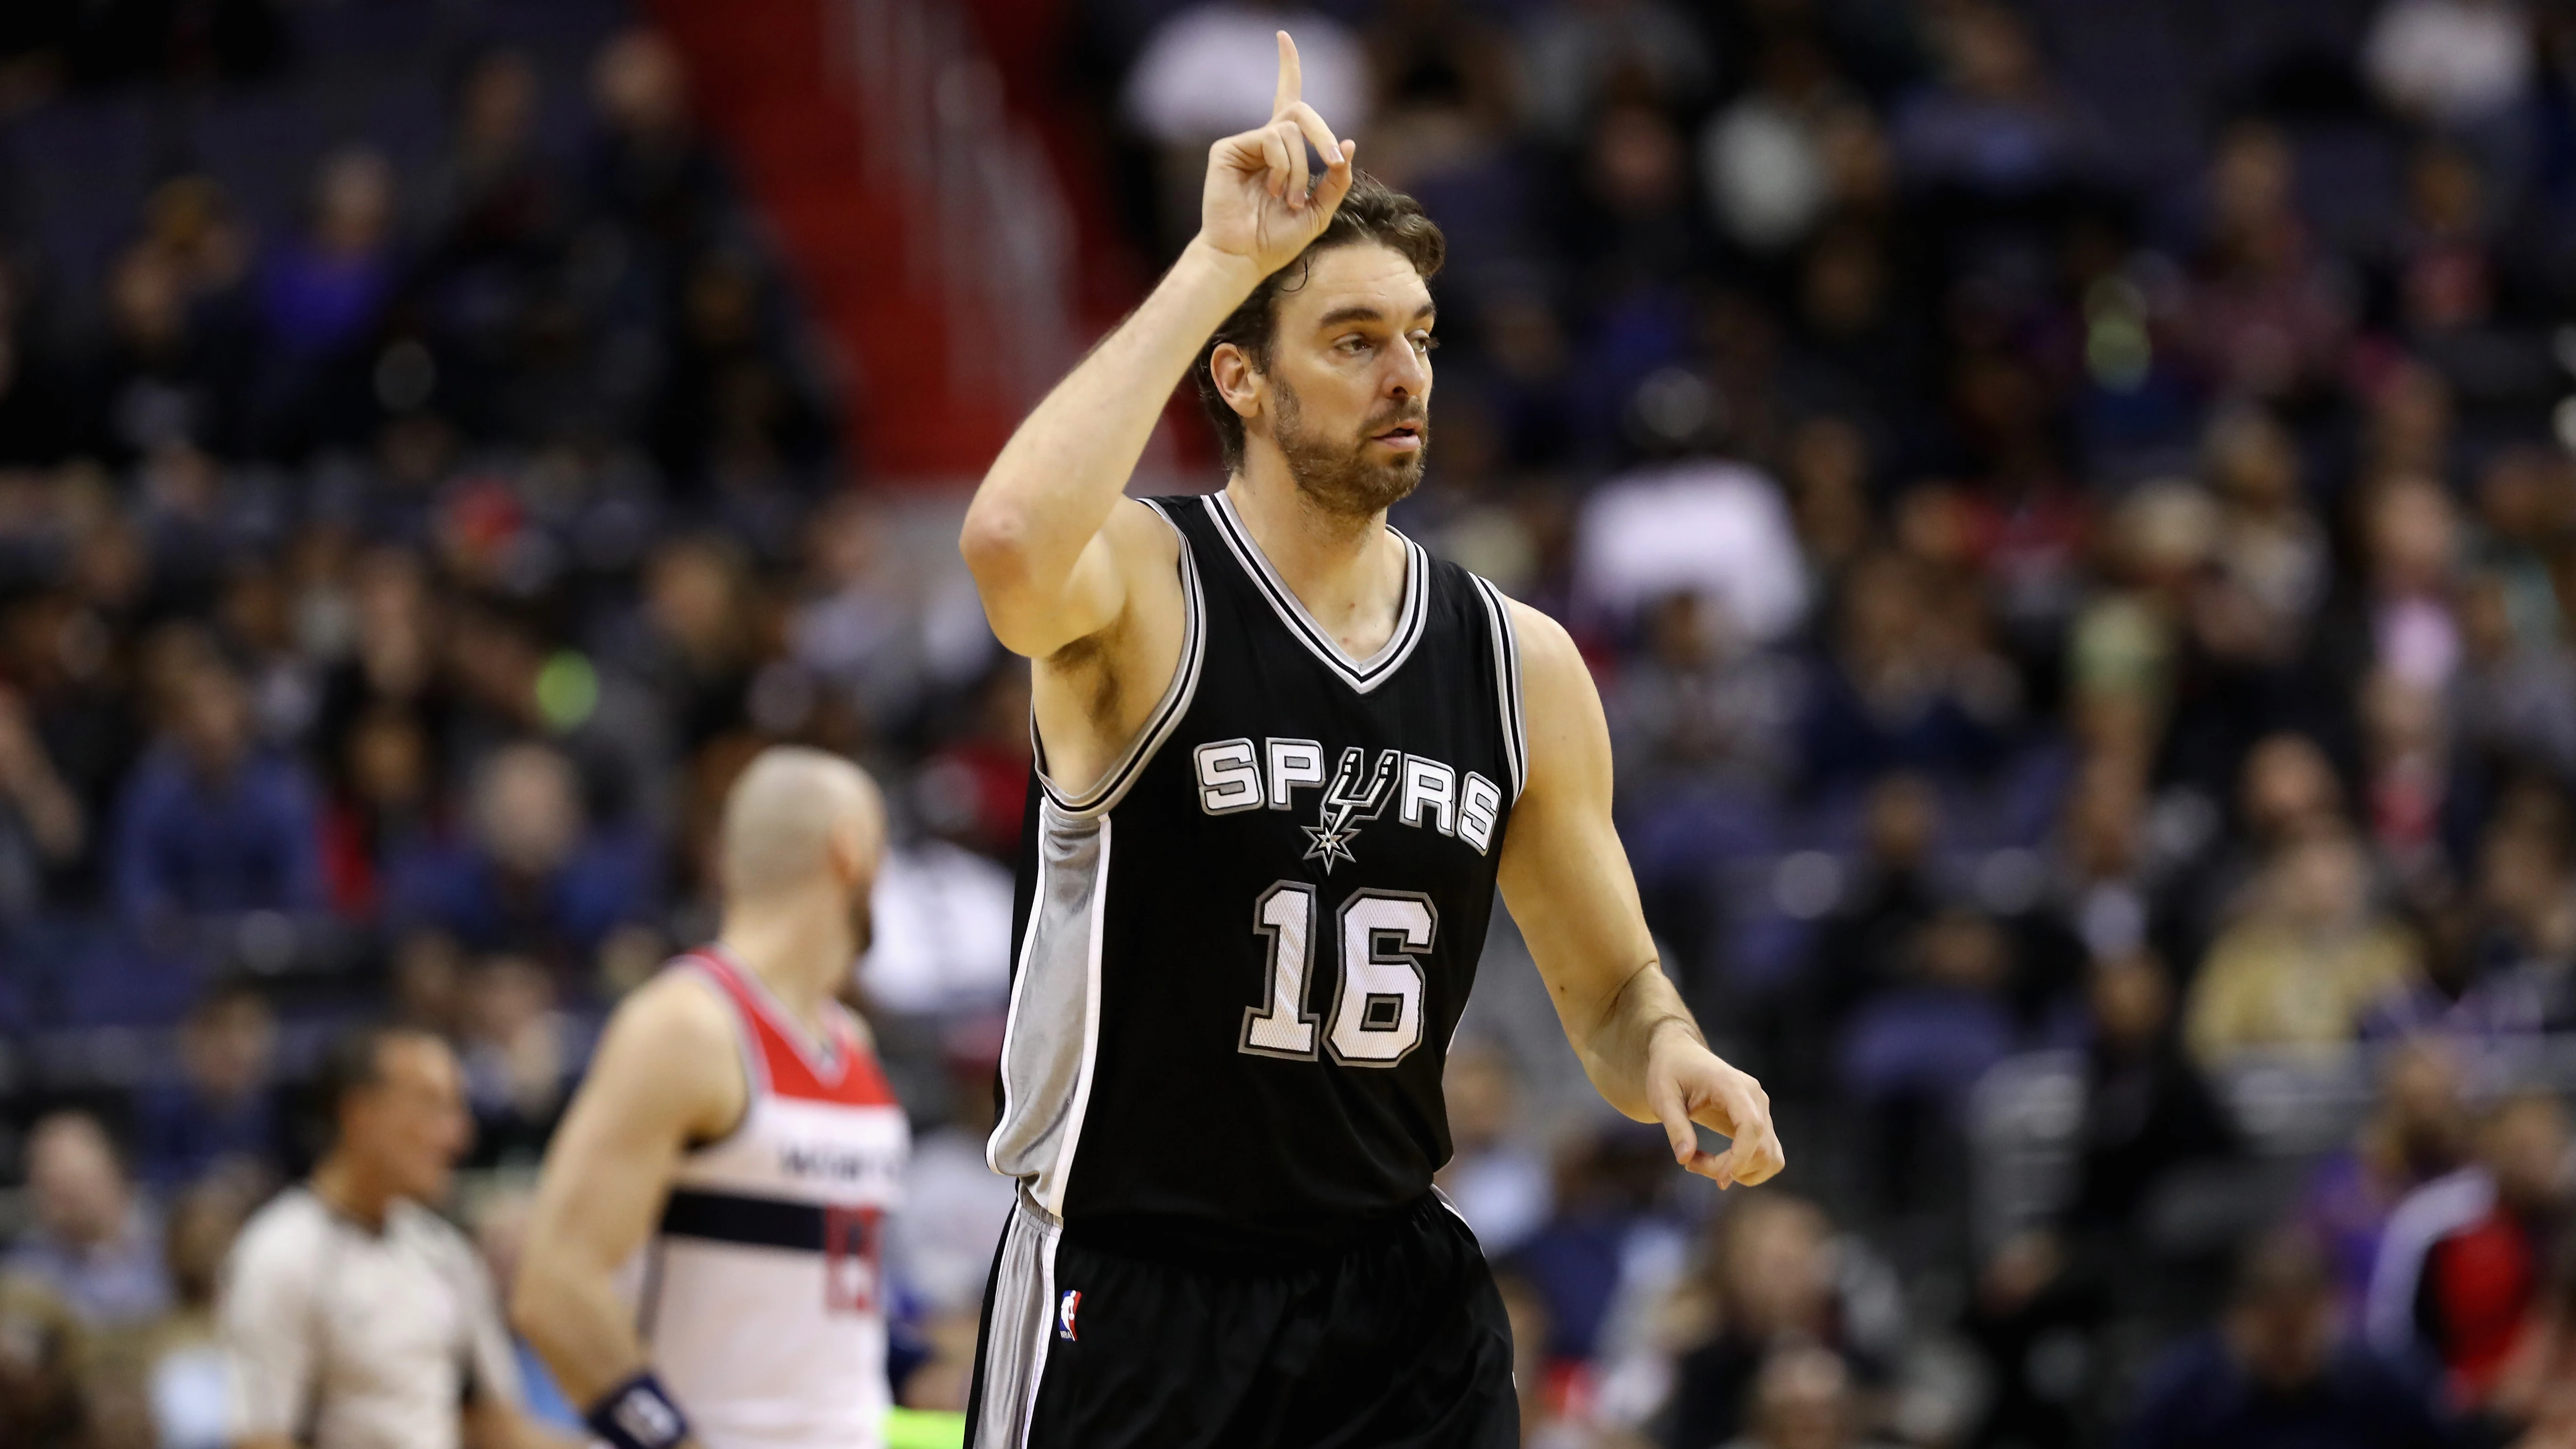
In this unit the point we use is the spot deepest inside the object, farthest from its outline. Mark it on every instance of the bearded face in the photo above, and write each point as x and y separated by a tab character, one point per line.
1354	476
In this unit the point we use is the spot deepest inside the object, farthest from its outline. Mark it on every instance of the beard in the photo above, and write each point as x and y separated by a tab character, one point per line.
1339	477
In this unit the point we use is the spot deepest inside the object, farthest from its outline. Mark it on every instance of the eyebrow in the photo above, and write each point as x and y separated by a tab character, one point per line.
1362	313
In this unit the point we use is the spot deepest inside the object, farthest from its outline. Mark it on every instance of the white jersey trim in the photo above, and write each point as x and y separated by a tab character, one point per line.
1363	675
1507	681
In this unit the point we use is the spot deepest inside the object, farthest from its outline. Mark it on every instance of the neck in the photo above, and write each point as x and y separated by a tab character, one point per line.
1347	569
799	946
352	1192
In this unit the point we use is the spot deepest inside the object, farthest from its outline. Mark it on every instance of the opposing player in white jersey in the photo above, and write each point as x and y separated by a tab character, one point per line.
702	1262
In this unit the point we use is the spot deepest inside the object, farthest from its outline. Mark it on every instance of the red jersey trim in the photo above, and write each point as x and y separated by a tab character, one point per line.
846	1075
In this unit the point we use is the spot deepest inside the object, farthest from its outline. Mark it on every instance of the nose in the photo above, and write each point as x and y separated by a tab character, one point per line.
1409	375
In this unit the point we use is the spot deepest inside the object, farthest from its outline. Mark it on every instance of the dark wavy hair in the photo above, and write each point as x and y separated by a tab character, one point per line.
1372	212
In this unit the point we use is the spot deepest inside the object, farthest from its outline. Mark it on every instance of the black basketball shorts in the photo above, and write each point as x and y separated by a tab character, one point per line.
1127	1341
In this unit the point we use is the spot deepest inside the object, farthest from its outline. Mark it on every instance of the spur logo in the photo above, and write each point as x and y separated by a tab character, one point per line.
1241	774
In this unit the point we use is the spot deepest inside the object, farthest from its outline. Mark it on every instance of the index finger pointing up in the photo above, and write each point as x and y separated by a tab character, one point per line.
1291	81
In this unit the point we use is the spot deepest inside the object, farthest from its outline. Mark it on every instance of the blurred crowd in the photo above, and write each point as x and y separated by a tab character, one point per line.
2070	503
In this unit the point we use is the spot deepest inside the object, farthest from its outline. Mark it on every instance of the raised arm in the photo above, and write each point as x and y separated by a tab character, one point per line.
1567	882
1040	536
666	1073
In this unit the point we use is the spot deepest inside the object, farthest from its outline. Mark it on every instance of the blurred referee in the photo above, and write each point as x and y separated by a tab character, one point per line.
351	1315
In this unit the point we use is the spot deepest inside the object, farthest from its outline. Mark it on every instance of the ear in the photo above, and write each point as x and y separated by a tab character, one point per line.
852	852
1237	380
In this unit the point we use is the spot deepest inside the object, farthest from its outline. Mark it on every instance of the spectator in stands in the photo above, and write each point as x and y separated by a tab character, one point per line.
44	1358
2417	1131
2413	536
320	293
1204	70
211	824
2147	1110
162	376
495	197
2456	63
2506	712
534	876
1703	701
1574	57
1762	158
222	1111
1858	952
2271	550
2265	318
183	1360
1803	1398
2536	1391
1607	1193
511	683
648	173
1915	1048
2276	1371
2305	964
1773	1278
694	644
939	930
2284	787
44	828
521	1056
2465	1258
1715	530
1495	1174
387	804
95	1242
2104	898
1894	694
1996	126
2030	1317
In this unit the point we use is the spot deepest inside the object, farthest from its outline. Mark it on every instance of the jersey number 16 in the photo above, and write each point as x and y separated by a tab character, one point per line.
1377	998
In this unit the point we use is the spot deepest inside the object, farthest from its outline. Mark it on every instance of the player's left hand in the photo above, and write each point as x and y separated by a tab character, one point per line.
1687	1083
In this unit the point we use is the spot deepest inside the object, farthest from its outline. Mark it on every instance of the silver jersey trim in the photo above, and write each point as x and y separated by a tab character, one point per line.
1051	1039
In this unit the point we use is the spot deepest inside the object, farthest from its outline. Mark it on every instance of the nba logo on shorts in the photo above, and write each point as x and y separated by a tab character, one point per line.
1064	1314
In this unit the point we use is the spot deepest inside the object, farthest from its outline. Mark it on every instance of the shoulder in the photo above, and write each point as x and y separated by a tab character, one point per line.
1543	642
677	1010
1142	532
287	1223
1557	691
277	1246
671	1054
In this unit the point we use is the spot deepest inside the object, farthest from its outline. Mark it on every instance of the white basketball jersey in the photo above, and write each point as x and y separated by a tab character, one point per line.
761	1299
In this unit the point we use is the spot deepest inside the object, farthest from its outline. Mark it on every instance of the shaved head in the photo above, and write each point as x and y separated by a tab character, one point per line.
789	814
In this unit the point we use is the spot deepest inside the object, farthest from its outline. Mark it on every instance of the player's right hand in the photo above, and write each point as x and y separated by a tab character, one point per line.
1256	206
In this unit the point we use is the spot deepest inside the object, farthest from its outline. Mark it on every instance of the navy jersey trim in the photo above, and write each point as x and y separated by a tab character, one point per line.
751	1222
1507	681
1363	675
1167	715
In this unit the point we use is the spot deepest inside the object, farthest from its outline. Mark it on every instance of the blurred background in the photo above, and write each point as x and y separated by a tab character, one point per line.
2070	503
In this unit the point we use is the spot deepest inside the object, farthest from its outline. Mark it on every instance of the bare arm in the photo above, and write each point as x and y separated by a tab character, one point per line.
667	1072
1037	538
1566	879
494	1423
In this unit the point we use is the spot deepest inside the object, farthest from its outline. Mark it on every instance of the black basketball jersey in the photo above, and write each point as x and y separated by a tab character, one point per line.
1243	952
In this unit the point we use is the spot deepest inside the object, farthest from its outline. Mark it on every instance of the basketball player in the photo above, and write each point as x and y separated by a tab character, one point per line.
736	1135
1284	758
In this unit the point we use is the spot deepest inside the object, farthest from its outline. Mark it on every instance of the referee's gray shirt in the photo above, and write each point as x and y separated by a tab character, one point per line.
339	1337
